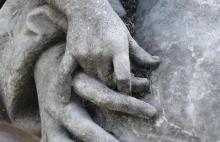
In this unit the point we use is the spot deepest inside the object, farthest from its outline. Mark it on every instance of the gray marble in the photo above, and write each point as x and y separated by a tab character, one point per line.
186	86
184	89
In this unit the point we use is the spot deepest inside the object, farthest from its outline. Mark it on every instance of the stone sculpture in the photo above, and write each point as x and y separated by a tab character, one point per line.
49	85
185	87
100	46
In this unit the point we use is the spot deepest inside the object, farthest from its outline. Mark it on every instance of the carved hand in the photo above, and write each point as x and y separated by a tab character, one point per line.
114	44
101	44
72	115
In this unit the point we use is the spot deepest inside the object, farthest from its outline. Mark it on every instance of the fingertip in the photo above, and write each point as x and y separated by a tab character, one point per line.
124	85
140	85
122	73
155	61
152	113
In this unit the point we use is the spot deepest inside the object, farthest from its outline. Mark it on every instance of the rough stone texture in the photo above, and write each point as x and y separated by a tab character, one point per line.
186	86
20	49
96	32
11	14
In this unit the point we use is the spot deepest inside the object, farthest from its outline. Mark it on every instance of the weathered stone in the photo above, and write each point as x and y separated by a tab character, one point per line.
186	86
96	39
116	5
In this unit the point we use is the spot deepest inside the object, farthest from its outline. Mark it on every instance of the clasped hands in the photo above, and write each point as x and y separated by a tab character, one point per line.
98	43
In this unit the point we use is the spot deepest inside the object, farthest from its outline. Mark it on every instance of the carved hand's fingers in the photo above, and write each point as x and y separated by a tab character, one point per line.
70	115
122	72
139	85
68	64
105	71
96	92
78	122
56	133
140	56
56	137
62	77
76	119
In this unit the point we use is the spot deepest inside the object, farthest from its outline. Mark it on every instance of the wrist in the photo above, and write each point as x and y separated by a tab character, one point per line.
87	13
69	7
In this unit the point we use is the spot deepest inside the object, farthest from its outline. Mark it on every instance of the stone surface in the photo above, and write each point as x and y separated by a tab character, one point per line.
116	5
186	86
10	133
95	32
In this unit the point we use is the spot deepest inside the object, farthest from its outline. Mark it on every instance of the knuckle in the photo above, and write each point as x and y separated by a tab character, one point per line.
122	80
124	85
